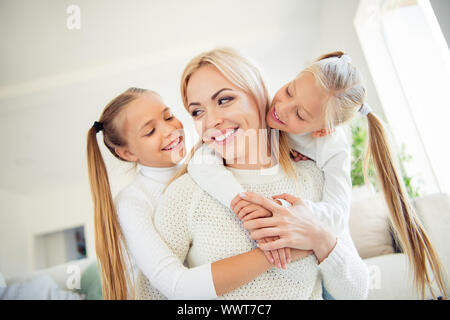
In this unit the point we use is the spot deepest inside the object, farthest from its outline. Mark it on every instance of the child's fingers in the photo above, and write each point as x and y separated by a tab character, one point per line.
283	260
288	254
276	258
267	253
241	204
235	201
247	210
259	213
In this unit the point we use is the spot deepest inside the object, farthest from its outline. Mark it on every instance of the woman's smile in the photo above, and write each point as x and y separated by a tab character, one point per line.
224	136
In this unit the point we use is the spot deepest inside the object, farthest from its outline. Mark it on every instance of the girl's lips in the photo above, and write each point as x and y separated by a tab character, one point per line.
275	116
174	145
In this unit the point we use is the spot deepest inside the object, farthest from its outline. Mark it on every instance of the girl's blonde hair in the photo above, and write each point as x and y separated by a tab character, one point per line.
244	75
346	94
109	240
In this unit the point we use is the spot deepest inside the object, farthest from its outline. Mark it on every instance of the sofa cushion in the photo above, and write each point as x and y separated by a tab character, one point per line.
370	226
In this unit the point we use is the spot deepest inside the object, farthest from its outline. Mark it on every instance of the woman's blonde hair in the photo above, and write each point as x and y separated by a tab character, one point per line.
244	75
117	283
346	94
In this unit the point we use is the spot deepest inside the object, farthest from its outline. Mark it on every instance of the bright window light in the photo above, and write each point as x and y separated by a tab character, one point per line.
410	63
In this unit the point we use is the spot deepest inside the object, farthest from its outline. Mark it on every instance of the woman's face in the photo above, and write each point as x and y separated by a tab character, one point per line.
298	107
155	138
223	113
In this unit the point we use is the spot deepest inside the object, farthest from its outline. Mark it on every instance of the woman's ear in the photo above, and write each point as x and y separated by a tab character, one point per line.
125	154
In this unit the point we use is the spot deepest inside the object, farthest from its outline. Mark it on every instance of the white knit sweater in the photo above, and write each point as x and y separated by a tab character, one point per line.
201	230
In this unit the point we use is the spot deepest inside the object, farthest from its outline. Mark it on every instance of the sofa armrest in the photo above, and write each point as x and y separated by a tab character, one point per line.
434	213
391	278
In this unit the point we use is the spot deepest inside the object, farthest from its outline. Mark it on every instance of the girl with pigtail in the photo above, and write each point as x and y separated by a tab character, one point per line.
311	109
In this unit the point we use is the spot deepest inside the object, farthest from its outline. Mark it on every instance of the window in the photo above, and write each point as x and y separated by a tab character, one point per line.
409	60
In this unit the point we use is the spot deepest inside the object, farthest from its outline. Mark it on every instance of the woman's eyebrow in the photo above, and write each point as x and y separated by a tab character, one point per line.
213	97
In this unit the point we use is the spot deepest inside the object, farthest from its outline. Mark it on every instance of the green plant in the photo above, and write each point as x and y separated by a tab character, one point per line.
359	146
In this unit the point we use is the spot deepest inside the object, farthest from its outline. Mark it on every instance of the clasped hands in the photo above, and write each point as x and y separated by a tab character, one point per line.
284	234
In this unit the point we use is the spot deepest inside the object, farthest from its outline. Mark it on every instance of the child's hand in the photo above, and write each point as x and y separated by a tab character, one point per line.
247	211
280	257
297	156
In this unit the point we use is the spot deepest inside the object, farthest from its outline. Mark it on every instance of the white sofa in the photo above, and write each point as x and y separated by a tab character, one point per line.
389	271
391	277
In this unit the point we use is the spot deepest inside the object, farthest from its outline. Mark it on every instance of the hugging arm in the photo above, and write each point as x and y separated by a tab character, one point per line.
207	170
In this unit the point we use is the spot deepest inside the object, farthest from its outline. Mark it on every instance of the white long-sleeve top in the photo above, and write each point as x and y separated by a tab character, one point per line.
155	264
199	229
332	155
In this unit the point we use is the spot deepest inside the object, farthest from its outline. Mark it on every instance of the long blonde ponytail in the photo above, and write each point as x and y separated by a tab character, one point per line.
412	237
343	82
117	283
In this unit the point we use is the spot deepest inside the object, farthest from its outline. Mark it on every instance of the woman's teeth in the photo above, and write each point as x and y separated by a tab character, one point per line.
173	144
224	136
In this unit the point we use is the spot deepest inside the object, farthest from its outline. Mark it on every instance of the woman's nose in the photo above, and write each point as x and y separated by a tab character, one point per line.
213	118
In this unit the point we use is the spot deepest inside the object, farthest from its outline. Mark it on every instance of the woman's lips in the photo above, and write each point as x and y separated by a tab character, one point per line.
226	136
174	145
275	116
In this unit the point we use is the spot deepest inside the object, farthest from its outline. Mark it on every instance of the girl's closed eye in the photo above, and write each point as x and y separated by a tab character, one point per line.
299	116
150	133
287	92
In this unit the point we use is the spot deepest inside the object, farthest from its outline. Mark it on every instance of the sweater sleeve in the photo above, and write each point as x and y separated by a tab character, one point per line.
153	257
207	170
344	273
333	156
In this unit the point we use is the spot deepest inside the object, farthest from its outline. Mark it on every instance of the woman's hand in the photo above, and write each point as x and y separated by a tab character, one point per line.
247	211
296	226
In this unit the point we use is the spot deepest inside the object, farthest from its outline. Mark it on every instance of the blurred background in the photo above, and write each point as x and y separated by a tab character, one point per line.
62	61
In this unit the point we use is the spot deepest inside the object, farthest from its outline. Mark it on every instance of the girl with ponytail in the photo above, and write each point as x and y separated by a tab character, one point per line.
139	128
311	108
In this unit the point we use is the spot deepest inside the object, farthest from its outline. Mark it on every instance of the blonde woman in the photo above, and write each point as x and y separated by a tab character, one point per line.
139	128
227	98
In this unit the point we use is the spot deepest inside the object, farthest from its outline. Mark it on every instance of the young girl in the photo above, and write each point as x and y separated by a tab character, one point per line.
311	109
139	128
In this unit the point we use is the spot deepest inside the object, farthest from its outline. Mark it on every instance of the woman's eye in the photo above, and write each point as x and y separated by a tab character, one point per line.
298	115
150	133
169	118
195	113
224	100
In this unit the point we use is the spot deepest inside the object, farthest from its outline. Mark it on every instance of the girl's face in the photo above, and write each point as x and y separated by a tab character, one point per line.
223	113
298	107
155	138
